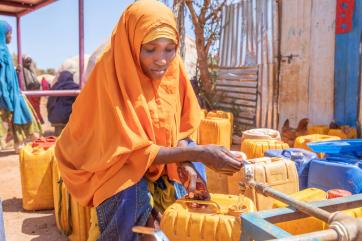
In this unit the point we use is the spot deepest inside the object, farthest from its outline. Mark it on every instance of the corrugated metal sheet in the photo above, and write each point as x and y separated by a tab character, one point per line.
248	40
239	87
307	49
249	31
348	70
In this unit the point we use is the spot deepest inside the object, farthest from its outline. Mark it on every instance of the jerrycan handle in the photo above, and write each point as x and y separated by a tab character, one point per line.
286	153
210	203
292	154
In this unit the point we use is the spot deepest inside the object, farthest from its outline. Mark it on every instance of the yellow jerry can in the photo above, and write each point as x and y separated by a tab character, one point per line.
36	177
254	148
346	132
277	173
224	115
71	218
215	131
304	225
261	133
306	195
195	136
318	129
217	219
94	231
310	224
302	141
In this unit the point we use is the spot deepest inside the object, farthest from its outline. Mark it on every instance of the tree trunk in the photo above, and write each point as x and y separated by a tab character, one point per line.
202	60
179	10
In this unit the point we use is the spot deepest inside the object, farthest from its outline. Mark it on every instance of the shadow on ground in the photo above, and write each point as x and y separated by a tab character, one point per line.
12	205
42	228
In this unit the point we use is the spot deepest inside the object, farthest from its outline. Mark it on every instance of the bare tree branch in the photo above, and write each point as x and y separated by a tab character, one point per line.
209	41
194	18
215	13
203	12
205	16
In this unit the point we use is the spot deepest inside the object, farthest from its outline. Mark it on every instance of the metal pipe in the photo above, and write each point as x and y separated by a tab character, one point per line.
158	235
302	206
325	235
81	43
51	92
20	57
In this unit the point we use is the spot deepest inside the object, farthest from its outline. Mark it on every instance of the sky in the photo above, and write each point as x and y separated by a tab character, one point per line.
50	34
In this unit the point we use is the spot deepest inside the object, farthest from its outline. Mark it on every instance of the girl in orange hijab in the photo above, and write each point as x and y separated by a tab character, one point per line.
131	122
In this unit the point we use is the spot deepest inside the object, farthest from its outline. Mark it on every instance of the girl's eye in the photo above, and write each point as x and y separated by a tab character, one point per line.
170	50
150	50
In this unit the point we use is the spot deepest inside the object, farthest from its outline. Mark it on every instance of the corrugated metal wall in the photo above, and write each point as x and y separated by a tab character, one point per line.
248	48
305	86
306	78
239	87
248	33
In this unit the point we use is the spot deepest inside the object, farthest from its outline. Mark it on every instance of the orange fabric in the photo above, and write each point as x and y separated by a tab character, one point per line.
163	31
121	118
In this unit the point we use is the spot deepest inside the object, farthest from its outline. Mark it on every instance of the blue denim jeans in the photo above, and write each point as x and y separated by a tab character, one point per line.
131	207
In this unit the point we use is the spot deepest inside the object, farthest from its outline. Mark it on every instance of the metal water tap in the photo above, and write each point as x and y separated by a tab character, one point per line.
249	176
157	234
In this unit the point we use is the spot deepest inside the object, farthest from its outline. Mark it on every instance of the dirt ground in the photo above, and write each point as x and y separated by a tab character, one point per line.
21	225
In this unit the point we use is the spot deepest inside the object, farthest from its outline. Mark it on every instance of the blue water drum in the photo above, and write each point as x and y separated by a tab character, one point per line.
349	147
301	159
336	172
340	169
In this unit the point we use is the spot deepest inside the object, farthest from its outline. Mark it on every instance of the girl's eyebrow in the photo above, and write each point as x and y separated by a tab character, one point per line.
155	44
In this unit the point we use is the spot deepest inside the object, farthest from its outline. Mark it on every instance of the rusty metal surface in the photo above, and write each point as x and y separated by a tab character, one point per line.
16	7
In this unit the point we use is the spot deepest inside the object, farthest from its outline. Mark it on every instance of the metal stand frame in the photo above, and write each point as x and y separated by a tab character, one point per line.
259	226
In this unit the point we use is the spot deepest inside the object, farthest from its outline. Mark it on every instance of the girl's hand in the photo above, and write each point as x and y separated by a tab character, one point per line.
194	185
219	159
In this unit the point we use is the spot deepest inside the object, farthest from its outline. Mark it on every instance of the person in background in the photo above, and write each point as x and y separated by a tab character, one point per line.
60	107
126	148
16	112
30	82
45	85
29	72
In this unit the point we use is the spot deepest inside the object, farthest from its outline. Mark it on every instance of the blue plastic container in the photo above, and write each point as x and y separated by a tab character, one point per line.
336	172
353	146
301	159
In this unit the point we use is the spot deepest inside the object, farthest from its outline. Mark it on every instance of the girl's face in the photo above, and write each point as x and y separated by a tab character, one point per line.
8	37
156	56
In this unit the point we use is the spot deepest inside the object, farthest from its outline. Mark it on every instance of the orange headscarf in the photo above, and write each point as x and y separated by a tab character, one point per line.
121	118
